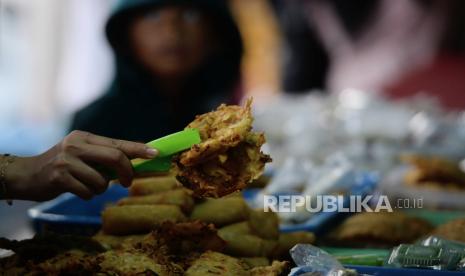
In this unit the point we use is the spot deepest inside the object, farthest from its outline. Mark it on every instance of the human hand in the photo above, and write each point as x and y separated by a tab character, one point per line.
73	166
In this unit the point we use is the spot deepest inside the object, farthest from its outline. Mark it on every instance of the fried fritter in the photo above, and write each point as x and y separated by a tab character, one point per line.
132	264
50	254
138	219
434	172
73	262
172	249
276	268
116	242
379	230
229	156
221	211
180	197
452	230
153	185
183	238
48	245
214	263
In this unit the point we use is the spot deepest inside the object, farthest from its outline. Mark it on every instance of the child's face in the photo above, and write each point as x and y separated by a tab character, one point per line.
171	41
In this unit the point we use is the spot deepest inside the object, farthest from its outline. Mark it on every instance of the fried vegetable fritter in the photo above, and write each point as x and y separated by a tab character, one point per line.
379	230
229	156
452	230
434	172
172	249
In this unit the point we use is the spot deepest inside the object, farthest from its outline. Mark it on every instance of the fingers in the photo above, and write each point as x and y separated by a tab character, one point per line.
130	149
76	187
111	158
88	176
111	153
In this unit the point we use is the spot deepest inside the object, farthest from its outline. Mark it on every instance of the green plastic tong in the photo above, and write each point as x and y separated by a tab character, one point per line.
167	146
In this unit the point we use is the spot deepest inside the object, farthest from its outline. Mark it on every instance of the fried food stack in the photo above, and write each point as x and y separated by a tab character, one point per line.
161	229
246	232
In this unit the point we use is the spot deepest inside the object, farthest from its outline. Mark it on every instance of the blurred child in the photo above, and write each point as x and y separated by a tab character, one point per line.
174	59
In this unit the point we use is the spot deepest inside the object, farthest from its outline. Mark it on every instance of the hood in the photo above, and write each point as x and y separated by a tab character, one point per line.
219	74
124	10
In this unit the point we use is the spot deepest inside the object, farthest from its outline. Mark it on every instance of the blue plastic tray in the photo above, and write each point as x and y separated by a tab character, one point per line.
68	214
386	271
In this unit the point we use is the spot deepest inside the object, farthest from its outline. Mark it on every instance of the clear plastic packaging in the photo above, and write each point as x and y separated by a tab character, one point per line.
430	253
368	130
315	261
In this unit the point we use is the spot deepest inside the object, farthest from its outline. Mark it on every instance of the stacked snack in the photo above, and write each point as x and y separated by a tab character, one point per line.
173	249
247	233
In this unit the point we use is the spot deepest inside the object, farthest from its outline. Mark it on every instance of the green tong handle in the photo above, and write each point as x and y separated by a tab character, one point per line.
167	146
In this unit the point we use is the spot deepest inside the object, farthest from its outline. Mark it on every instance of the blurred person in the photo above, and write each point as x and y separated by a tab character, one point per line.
70	166
174	60
395	47
306	60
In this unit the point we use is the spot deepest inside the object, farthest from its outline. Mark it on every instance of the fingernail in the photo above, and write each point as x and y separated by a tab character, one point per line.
151	152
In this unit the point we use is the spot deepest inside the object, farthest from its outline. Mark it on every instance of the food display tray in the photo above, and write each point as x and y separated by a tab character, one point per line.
387	271
68	214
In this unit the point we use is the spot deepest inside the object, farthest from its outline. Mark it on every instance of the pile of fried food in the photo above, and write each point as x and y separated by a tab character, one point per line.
434	172
229	156
161	229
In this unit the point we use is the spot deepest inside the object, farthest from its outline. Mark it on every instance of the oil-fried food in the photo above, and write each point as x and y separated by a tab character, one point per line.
287	240
184	238
214	263
276	268
264	224
72	262
117	242
179	197
247	245
152	185
379	230
173	249
452	230
434	172
138	219
229	156
50	254
240	228
133	263
252	262
48	245
221	211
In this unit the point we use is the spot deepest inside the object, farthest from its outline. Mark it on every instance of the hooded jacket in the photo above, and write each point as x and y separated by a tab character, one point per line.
134	108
